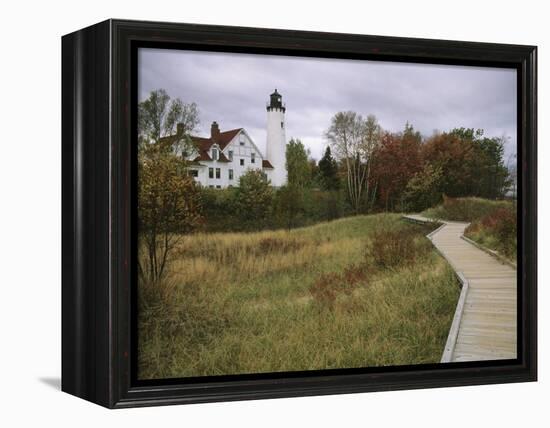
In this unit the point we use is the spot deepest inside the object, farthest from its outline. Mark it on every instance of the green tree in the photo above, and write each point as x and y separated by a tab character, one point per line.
328	172
168	206
289	205
422	190
254	198
297	164
495	178
490	177
410	133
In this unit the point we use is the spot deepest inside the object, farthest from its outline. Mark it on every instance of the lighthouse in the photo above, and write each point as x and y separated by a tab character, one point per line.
276	139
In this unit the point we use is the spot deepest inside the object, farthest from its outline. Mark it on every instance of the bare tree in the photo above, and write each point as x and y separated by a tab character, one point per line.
159	116
353	140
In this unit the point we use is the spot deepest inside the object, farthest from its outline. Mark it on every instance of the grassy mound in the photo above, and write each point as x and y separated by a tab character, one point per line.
465	209
355	292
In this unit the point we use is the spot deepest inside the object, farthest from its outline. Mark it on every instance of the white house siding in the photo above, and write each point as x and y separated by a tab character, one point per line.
239	152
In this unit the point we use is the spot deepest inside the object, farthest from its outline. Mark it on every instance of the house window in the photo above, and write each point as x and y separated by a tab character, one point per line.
218	187
215	154
282	125
194	173
218	173
211	186
241	139
242	162
230	155
231	174
252	157
210	172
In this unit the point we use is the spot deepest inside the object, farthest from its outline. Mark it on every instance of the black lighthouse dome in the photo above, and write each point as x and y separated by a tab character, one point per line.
276	101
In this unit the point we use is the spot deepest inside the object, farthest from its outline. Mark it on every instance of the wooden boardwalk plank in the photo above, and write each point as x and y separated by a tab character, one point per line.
487	328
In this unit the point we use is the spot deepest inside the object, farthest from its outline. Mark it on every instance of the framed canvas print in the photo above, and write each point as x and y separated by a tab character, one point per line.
253	213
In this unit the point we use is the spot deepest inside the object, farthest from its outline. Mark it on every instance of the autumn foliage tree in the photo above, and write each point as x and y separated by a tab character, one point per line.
396	160
168	199
471	164
169	206
455	157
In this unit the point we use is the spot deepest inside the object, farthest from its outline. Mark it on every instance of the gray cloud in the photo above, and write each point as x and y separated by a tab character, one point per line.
233	90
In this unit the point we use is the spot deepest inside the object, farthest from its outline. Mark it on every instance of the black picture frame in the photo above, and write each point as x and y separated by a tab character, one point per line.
99	228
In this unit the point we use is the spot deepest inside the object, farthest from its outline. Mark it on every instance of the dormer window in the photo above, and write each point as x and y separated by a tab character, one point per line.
214	154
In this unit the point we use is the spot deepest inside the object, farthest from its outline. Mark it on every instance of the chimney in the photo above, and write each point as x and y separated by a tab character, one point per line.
179	129
214	131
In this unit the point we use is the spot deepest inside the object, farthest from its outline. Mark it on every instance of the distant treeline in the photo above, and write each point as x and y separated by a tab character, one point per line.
382	171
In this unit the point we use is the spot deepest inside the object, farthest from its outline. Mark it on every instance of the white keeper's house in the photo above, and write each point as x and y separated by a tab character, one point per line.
219	160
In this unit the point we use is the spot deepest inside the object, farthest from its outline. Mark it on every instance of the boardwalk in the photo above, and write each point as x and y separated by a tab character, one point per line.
485	326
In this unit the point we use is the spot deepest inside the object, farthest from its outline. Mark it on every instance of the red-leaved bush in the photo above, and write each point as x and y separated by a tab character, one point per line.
498	227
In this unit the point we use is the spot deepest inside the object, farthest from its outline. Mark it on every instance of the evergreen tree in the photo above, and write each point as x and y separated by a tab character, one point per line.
328	171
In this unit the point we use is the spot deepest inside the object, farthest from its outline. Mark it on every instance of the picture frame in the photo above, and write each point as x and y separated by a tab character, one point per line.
99	212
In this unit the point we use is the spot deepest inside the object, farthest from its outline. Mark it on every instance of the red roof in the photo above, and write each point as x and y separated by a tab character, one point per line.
204	144
222	139
203	156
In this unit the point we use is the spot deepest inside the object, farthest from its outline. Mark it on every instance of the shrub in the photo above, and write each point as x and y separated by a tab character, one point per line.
396	247
219	210
168	205
324	289
497	230
254	199
328	286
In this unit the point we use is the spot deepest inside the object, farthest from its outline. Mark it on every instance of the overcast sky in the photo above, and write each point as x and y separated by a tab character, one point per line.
233	90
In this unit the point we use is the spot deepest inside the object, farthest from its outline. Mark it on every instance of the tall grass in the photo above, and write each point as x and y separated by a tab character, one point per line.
312	298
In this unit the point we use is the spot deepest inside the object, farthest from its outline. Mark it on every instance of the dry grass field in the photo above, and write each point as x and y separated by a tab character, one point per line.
356	292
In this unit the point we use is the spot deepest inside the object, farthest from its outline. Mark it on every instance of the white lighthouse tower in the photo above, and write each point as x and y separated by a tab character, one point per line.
276	140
